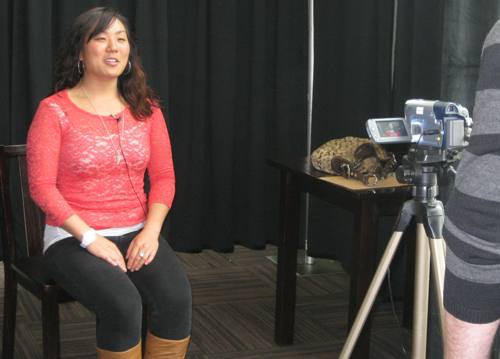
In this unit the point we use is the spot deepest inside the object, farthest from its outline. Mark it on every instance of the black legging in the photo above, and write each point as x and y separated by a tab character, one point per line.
116	297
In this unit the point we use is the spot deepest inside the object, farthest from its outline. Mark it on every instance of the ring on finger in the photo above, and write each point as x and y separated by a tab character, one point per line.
142	254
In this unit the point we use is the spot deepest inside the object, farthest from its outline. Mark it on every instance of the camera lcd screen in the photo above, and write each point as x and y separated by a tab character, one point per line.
394	128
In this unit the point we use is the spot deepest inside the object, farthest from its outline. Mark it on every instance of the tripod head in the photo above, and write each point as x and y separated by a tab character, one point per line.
423	171
424	180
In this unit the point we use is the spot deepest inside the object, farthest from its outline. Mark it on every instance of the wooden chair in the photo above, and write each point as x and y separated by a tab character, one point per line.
22	226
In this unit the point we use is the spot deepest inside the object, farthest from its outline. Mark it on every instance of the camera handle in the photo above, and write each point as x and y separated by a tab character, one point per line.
430	249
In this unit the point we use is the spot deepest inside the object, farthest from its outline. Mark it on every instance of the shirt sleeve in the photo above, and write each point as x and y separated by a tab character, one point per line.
161	167
42	154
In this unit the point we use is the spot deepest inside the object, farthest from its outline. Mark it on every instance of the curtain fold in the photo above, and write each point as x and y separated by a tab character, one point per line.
352	75
419	43
237	83
466	24
5	69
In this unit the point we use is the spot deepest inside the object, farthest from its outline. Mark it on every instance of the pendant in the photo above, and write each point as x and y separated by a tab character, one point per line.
118	159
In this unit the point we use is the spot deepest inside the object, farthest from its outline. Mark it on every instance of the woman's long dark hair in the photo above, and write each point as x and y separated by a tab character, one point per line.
132	84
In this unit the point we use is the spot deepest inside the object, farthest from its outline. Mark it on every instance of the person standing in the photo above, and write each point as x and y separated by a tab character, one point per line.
472	224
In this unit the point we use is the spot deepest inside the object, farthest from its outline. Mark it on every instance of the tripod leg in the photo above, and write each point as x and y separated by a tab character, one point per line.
421	296
371	294
438	268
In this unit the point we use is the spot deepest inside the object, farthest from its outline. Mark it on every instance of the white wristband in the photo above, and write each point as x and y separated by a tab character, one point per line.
88	238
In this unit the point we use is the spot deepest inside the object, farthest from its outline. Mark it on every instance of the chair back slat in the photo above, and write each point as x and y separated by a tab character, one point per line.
23	238
6	217
33	217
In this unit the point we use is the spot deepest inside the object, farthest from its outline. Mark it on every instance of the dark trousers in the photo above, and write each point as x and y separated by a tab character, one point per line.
116	297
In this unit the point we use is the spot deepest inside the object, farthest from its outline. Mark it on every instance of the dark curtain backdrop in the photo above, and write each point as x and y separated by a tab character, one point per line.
466	24
237	94
419	42
231	76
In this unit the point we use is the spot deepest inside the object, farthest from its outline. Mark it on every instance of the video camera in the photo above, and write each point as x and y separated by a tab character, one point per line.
437	132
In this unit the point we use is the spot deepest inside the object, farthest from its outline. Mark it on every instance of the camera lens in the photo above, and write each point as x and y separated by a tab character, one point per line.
416	129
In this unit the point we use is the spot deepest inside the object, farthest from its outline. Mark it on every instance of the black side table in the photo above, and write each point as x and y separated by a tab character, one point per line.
366	203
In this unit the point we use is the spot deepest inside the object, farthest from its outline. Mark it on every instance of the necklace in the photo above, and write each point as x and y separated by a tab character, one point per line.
118	155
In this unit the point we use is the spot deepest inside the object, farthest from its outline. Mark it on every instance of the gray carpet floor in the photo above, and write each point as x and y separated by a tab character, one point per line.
233	313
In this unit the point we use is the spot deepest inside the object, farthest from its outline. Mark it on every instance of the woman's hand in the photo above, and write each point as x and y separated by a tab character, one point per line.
142	249
107	250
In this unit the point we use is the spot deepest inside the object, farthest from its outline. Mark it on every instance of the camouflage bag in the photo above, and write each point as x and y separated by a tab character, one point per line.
354	157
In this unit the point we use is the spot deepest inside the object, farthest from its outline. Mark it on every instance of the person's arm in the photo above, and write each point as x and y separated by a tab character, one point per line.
43	146
42	156
161	167
162	179
146	240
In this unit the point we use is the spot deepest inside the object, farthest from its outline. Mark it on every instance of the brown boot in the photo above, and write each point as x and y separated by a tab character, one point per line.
159	348
132	353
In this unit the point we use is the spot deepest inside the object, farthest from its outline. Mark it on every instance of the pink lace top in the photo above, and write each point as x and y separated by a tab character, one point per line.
72	165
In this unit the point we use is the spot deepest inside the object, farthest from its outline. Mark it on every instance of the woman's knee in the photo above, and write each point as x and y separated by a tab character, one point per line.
119	322
123	308
171	312
173	296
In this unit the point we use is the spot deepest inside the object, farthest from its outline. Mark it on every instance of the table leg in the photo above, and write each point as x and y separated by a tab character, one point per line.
362	269
287	259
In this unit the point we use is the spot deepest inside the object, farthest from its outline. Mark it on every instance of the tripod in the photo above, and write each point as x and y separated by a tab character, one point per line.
429	215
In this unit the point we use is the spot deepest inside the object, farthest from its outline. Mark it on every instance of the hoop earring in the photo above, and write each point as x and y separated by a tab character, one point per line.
128	69
81	67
